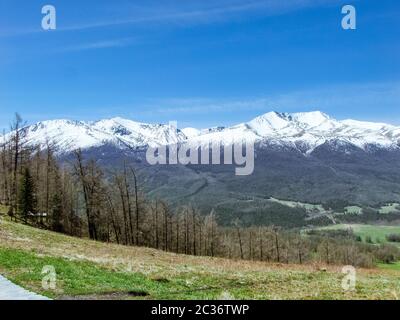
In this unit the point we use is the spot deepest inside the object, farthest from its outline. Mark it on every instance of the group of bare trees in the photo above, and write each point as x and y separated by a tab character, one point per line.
117	210
80	198
34	186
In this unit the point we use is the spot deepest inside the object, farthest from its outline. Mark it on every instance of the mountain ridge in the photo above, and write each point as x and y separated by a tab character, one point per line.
306	129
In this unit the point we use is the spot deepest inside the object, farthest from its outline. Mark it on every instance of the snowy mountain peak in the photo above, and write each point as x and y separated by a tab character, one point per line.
310	119
268	123
278	120
305	129
308	130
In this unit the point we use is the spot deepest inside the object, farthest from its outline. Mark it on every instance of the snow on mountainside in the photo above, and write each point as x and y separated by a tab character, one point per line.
191	132
136	134
308	129
66	135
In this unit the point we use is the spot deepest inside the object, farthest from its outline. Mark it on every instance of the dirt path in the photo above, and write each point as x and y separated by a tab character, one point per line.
10	291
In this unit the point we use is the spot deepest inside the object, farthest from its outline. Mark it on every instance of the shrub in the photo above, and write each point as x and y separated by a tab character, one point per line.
387	253
393	237
368	239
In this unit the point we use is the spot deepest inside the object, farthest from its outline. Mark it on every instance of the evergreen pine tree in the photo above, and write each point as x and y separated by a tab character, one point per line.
26	197
56	213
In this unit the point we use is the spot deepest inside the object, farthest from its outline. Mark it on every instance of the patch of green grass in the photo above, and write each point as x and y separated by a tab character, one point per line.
390	266
377	233
73	277
81	278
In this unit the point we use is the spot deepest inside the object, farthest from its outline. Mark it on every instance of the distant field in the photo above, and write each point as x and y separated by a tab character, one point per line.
392	266
308	206
389	208
376	232
353	210
92	270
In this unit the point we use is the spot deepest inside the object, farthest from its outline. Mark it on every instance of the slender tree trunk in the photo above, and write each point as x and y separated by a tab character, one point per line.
186	233
177	236
136	206
156	228
240	242
250	245
124	211
129	207
277	247
165	230
261	246
112	213
194	231
200	238
88	208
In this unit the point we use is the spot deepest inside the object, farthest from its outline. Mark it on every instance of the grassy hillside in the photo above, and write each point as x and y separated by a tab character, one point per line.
91	270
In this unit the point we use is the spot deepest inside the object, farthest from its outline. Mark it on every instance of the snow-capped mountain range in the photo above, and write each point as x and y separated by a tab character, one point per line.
308	130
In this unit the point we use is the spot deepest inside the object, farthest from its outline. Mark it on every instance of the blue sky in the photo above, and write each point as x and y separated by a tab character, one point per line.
200	62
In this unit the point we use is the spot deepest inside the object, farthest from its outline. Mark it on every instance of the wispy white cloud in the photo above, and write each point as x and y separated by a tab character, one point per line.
7	32
104	44
368	101
194	11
